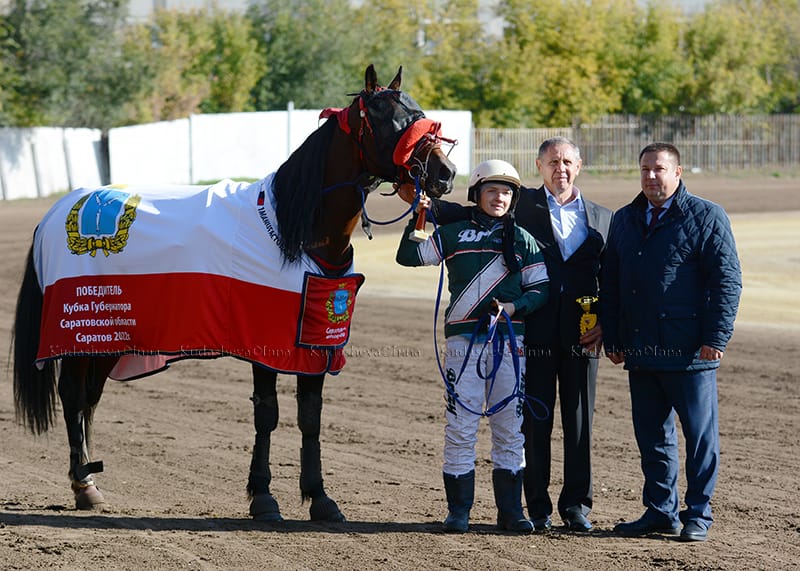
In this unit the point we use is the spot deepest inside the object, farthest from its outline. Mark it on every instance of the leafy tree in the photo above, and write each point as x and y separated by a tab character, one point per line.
6	75
554	63
660	72
732	52
576	53
236	63
397	36
194	61
64	64
308	45
175	46
465	67
783	23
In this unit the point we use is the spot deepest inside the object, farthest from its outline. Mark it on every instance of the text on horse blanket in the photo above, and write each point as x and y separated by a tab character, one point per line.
160	274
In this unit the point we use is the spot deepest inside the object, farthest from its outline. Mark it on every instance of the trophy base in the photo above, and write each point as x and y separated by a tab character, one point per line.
417	235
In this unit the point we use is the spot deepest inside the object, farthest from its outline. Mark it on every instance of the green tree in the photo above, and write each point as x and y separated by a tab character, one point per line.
783	22
660	73
63	63
236	64
309	46
466	67
193	61
6	76
576	54
175	46
398	37
732	53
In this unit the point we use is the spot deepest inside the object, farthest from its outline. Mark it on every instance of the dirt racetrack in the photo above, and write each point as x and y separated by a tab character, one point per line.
176	446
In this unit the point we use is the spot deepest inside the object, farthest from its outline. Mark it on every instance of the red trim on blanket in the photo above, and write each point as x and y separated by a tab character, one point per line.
183	315
333	269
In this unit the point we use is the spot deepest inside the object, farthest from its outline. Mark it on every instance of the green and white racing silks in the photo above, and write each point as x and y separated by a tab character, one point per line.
476	271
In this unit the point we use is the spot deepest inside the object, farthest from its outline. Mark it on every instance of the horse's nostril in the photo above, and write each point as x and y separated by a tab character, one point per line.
446	177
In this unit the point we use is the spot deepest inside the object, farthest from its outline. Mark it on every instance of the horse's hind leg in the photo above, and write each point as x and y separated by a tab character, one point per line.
80	386
263	506
309	413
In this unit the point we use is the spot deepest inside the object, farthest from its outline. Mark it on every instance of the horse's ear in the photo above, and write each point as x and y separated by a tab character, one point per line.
370	79
395	84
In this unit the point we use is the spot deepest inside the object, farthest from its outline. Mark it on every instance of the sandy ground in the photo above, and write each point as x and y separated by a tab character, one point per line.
177	446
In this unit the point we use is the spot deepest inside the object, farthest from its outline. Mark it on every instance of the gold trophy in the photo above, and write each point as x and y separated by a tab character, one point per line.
588	319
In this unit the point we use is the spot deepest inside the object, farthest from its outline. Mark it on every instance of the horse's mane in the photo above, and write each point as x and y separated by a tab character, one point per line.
298	186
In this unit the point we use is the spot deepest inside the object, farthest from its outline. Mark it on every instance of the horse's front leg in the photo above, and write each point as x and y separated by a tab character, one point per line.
309	413
263	506
80	386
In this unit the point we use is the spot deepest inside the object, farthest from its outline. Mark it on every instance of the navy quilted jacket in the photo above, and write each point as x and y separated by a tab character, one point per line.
666	293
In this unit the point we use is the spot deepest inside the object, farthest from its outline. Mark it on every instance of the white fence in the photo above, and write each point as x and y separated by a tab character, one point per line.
41	161
713	143
235	145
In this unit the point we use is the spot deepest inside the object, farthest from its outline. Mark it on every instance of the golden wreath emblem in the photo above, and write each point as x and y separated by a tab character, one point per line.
80	244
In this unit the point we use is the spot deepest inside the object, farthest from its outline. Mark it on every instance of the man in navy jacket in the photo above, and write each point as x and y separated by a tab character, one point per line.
669	296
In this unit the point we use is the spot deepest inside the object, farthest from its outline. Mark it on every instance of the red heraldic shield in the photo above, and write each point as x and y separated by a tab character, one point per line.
326	310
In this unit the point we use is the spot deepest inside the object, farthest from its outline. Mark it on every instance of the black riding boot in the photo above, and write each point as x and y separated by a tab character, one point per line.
460	492
508	497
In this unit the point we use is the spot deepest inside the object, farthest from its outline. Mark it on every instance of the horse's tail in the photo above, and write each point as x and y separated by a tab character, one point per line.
34	388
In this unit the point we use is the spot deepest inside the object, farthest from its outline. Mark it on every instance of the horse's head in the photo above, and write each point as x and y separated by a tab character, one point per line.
383	136
398	144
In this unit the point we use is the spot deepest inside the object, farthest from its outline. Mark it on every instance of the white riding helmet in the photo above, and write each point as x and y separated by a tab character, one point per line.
493	170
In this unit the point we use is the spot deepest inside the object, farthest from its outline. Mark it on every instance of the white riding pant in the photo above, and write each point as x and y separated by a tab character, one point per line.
478	395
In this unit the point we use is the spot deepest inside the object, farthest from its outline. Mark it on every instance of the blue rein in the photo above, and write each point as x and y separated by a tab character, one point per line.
494	338
417	195
365	219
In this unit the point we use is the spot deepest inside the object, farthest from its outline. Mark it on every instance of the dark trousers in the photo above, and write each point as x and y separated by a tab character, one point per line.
655	398
574	376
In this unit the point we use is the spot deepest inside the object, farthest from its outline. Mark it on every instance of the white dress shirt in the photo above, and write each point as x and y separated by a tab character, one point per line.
570	227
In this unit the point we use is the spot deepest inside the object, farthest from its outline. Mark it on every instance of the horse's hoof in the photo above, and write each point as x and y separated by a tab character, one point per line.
88	498
324	508
264	507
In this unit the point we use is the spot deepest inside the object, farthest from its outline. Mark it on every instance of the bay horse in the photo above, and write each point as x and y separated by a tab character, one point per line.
318	197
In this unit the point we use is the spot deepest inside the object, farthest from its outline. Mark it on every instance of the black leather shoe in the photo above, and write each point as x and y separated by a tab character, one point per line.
693	531
576	521
643	526
542	523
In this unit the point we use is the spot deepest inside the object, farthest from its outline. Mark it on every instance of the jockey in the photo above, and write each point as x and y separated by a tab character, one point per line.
494	268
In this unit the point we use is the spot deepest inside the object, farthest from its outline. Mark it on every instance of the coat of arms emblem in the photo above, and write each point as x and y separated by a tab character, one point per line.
338	305
101	220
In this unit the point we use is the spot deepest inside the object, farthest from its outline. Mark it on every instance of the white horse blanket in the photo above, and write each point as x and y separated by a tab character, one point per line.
159	274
